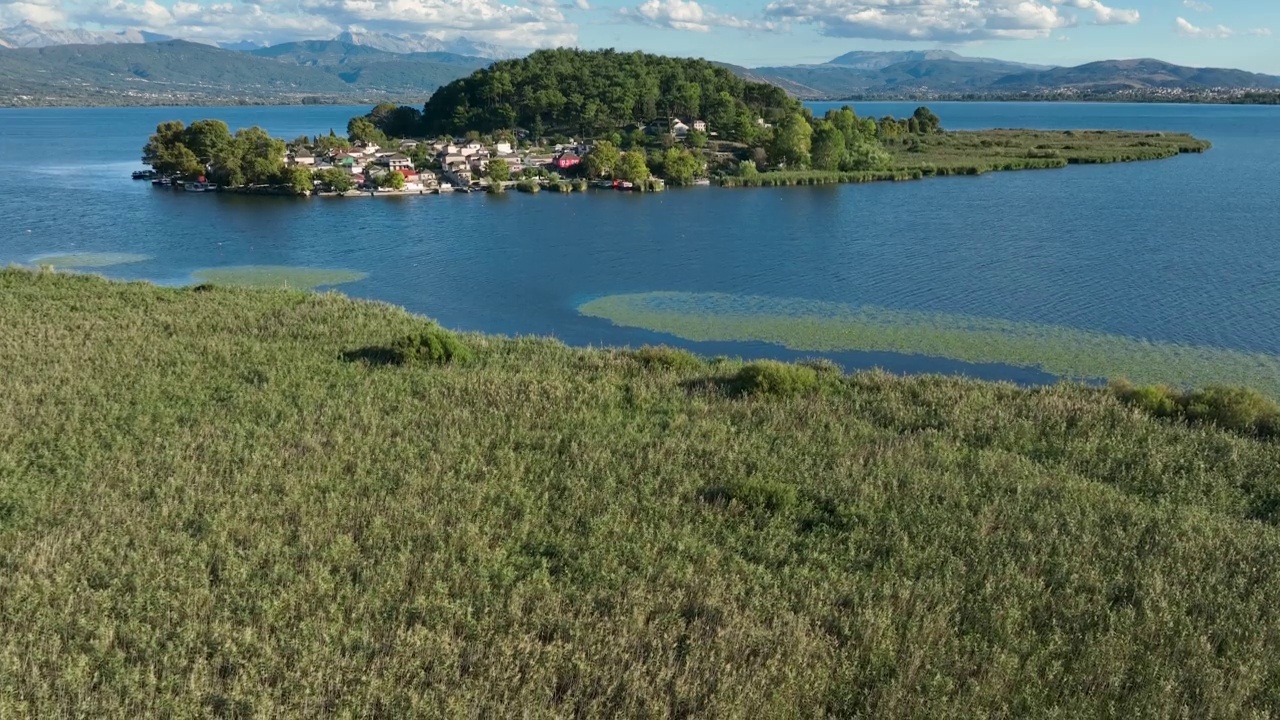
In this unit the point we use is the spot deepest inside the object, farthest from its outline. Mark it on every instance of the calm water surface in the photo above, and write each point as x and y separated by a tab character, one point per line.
1184	250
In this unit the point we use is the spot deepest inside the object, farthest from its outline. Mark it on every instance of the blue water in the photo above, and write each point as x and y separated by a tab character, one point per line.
1184	250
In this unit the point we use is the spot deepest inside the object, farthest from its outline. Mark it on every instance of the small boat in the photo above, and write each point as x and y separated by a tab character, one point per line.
195	186
624	185
161	182
144	174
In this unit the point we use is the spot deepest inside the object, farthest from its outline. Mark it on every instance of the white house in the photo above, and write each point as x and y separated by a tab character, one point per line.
396	161
700	126
302	156
502	148
678	128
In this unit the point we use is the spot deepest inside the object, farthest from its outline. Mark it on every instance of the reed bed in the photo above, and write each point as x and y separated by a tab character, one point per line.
237	503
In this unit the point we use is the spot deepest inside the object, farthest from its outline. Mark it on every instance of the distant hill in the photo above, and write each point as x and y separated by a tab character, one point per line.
863	60
1139	74
941	71
185	71
871	72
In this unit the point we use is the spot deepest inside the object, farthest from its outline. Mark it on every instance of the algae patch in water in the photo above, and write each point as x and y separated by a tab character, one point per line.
824	326
79	261
277	276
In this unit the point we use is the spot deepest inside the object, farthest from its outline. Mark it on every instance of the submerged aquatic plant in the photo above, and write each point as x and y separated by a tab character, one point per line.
825	326
77	261
302	278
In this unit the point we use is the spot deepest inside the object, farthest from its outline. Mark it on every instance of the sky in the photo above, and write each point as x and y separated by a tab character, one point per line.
1220	33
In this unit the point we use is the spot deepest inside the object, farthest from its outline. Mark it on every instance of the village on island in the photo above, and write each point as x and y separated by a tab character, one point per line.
367	162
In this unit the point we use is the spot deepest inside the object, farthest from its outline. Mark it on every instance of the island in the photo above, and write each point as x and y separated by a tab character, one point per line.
567	120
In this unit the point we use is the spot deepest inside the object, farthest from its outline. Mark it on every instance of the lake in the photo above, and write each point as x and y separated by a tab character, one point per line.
1182	251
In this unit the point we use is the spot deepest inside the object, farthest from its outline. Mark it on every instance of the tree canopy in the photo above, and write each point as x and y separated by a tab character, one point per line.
249	157
591	93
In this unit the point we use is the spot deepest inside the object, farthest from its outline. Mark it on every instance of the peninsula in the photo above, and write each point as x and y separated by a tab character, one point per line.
562	119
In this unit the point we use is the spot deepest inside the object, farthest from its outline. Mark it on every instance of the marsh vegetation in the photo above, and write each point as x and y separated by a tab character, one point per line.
820	326
209	506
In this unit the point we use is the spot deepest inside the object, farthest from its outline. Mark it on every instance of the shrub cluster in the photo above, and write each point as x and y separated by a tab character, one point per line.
666	358
768	377
434	346
1237	409
755	494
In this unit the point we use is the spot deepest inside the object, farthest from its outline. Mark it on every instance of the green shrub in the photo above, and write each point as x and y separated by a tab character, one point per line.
1237	409
666	358
1157	400
768	377
529	186
823	366
435	346
769	496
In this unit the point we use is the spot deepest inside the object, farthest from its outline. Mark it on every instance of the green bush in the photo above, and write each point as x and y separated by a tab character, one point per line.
769	496
435	346
823	366
1157	400
1237	409
768	377
666	358
529	186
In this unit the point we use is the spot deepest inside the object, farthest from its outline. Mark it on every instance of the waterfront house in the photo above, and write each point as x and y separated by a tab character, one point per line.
302	156
513	161
567	160
396	161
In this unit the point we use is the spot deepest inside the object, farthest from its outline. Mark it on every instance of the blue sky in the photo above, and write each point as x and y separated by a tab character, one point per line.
1227	33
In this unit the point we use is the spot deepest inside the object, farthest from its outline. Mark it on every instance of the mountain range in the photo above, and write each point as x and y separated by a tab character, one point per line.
37	35
136	67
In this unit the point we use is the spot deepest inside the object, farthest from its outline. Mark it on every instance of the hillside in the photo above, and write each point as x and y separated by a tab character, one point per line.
589	92
228	503
1145	73
893	74
184	72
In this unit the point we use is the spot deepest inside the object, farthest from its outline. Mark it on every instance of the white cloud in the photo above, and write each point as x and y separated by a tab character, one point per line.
1197	5
688	15
526	24
945	20
13	12
1259	32
1186	29
516	23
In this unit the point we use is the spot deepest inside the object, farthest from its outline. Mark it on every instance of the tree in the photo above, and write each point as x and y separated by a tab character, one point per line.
602	160
632	167
361	130
166	151
207	139
927	121
335	180
393	180
828	146
792	142
298	179
696	139
680	167
498	171
260	156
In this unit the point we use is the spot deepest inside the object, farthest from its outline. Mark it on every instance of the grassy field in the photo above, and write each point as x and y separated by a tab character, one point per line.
221	502
980	152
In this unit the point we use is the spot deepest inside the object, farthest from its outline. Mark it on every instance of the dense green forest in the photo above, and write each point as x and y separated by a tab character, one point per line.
229	503
590	93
